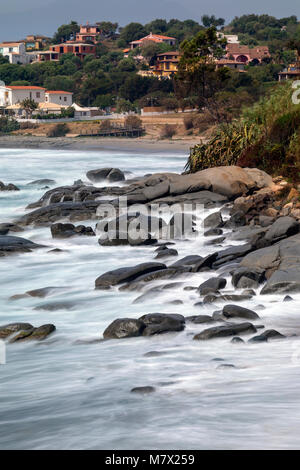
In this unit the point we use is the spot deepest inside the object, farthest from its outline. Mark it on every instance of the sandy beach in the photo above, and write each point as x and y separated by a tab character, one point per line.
97	143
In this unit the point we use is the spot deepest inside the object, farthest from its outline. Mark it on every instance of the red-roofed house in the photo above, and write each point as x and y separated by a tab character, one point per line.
88	32
79	49
10	95
63	98
158	38
246	54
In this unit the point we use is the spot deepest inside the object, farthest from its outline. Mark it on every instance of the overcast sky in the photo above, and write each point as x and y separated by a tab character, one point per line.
19	18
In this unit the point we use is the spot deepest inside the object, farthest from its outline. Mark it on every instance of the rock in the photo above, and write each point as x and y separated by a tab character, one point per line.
205	263
127	274
155	353
51	213
214	220
11	328
232	253
265	221
190	260
212	285
126	238
41	182
237	340
237	219
283	227
54	306
157	191
10	244
266	336
8	187
288	298
124	328
226	330
143	390
159	323
235	311
38	334
5	228
213	232
110	174
226	366
246	278
216	241
42	293
231	181
166	253
198	319
60	230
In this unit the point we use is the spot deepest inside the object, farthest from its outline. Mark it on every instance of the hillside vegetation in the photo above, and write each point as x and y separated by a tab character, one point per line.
266	136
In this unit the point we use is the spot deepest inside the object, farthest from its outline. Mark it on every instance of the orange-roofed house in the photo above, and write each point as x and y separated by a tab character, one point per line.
11	95
81	50
247	54
62	98
88	32
167	64
158	38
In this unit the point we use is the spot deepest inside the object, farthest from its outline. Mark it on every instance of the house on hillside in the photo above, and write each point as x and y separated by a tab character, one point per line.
79	49
167	64
11	95
88	32
62	98
158	38
290	72
231	64
36	42
246	54
230	38
16	52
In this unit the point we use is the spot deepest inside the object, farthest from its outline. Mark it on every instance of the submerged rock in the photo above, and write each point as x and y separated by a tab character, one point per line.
25	331
143	390
235	311
8	187
226	330
109	174
10	245
69	230
266	336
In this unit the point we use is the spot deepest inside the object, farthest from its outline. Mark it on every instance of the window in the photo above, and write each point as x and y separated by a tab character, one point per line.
38	94
65	98
60	98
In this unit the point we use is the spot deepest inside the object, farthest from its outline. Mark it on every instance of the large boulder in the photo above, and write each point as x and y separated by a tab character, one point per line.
212	285
127	274
230	181
8	187
235	311
102	174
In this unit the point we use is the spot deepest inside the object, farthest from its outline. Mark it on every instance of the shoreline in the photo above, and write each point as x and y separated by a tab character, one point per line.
96	143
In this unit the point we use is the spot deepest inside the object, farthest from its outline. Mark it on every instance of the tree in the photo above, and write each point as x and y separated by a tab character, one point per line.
209	21
66	32
133	32
29	106
108	29
197	74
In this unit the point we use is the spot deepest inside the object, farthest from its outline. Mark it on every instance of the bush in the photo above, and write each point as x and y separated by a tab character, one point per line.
106	125
133	122
8	124
58	130
168	131
188	122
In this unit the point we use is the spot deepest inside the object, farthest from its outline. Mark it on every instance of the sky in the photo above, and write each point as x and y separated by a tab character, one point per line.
19	18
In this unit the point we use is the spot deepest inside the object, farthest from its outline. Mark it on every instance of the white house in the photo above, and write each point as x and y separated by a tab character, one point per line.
16	52
10	95
231	38
62	98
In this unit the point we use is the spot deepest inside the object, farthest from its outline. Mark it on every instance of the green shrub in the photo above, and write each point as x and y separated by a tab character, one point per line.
8	124
168	131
